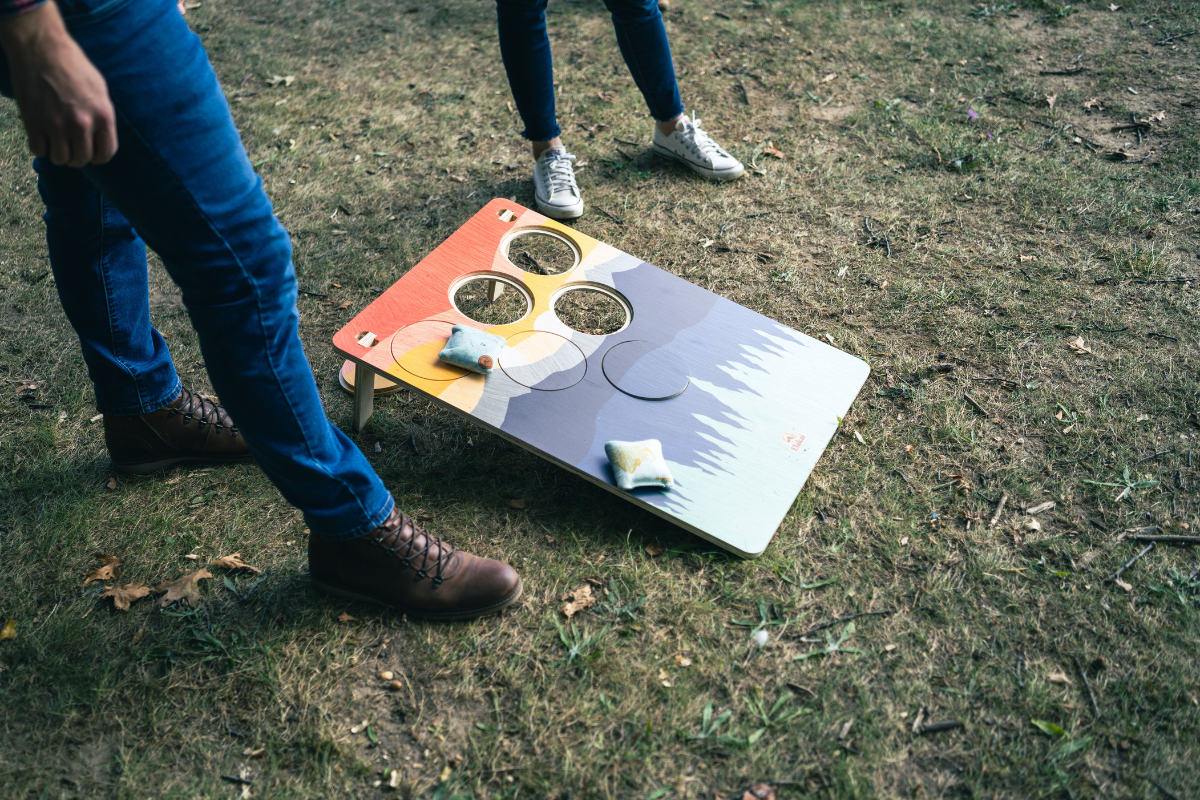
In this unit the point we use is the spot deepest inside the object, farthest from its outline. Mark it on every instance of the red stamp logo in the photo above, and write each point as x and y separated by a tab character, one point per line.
794	441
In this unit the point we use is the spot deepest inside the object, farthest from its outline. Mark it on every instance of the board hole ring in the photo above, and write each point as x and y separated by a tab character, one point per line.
608	291
538	230
494	277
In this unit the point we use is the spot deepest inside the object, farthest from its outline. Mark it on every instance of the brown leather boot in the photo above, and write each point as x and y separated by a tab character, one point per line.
189	430
402	566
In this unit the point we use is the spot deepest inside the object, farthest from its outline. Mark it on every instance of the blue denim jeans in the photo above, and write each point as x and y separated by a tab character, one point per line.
182	184
525	48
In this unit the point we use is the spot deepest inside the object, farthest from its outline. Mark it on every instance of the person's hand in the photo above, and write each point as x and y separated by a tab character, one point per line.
62	97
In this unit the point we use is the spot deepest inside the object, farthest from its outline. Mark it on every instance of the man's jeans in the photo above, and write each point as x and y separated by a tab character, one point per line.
525	48
181	182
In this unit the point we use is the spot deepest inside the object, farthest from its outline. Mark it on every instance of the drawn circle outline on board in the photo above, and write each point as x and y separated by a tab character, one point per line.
561	365
435	370
644	370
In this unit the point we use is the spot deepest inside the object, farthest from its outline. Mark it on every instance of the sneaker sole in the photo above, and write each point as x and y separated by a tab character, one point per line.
157	465
337	590
711	174
559	212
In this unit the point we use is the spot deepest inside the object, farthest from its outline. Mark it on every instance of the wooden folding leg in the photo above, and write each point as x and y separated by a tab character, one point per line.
364	395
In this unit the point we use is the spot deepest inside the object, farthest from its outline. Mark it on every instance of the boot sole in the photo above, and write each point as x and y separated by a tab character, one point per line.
336	590
157	465
712	174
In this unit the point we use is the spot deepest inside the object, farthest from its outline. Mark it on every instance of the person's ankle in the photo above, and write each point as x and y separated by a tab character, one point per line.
541	147
668	126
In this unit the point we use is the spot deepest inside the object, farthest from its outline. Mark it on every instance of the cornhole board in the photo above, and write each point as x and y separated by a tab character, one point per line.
743	405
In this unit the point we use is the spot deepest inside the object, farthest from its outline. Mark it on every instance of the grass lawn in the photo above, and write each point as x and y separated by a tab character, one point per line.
1028	303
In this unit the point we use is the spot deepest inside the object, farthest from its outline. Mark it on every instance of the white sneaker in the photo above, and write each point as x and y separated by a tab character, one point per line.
691	146
554	186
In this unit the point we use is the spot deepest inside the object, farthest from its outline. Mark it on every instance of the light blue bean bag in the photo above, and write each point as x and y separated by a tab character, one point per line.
638	464
473	349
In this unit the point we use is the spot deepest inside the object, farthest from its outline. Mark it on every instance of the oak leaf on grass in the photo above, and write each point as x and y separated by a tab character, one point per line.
578	600
185	587
235	562
107	572
772	150
9	631
122	596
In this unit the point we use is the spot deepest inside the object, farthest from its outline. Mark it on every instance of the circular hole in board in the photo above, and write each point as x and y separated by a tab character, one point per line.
591	308
421	359
645	370
540	251
484	299
544	361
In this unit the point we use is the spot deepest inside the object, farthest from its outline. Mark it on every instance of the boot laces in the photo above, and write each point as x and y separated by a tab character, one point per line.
439	568
558	172
700	142
199	408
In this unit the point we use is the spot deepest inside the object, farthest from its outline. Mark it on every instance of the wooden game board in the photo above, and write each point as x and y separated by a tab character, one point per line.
743	405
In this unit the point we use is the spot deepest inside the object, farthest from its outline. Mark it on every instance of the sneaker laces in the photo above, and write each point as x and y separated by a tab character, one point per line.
699	140
203	410
407	551
558	172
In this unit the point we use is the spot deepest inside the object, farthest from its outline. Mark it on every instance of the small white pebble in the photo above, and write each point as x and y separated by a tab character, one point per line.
760	637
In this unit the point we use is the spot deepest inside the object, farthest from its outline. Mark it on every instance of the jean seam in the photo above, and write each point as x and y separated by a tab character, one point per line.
200	213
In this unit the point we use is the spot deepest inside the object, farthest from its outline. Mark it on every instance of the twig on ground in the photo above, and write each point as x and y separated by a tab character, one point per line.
1088	684
877	239
1075	71
1020	669
626	141
1076	460
912	488
1136	126
1116	576
626	155
1004	382
840	620
1162	336
1171	38
312	294
975	405
237	780
938	727
1178	541
1165	792
610	216
999	510
412	435
1156	455
1160	280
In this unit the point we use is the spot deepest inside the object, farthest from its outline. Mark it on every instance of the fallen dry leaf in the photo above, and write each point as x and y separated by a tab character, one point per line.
1092	105
1049	100
772	150
1058	677
254	753
654	550
578	600
1078	346
122	596
1160	116
682	660
344	617
759	791
1028	258
137	637
394	779
110	570
605	96
110	484
185	587
829	77
235	562
9	631
275	80
1126	586
517	503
